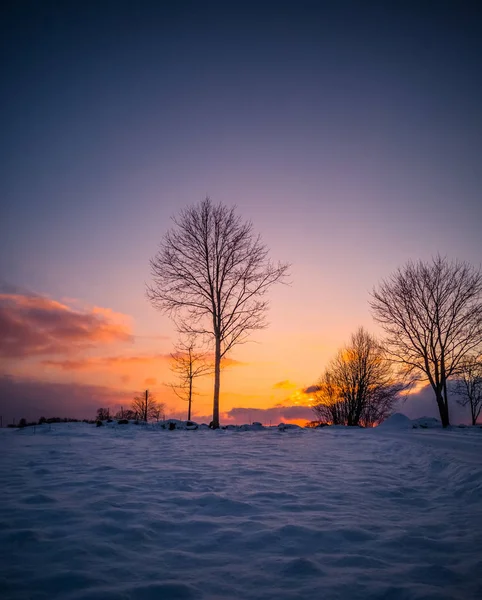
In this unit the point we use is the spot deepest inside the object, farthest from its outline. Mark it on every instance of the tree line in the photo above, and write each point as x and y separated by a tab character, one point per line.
211	275
144	407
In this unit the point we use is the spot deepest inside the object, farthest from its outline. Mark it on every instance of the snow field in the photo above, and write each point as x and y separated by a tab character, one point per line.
127	512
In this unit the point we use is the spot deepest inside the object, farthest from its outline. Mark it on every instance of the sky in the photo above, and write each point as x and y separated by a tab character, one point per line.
349	133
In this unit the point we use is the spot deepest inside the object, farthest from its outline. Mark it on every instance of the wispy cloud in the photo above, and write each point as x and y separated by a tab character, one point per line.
105	362
286	384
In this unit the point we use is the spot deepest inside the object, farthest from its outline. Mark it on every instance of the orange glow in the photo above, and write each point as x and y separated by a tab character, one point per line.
97	346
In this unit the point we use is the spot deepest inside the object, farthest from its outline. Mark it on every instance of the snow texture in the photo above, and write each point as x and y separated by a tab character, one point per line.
133	512
397	421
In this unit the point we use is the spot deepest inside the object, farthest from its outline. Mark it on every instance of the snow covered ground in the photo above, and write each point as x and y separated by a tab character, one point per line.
126	512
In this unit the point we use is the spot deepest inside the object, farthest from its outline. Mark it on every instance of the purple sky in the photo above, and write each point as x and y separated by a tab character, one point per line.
349	132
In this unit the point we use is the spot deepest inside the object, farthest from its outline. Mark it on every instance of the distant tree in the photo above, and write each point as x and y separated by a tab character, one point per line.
358	386
146	407
211	274
468	386
432	315
103	414
188	362
124	413
22	422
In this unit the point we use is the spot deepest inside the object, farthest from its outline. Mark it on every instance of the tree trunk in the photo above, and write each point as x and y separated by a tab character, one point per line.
446	398
189	400
217	380
443	408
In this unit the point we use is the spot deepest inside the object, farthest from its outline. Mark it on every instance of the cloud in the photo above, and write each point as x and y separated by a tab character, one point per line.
150	381
286	384
36	325
239	416
311	389
227	362
273	415
423	404
104	362
95	363
32	398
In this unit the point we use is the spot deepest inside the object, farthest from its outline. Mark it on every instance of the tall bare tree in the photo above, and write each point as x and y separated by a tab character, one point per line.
358	387
146	407
188	362
211	275
432	315
468	386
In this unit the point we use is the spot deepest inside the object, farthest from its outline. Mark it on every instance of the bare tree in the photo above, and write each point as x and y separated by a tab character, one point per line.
432	315
358	387
211	275
329	406
124	413
103	414
188	362
468	386
146	407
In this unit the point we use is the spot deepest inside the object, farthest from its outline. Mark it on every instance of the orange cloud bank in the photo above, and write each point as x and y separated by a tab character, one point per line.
35	325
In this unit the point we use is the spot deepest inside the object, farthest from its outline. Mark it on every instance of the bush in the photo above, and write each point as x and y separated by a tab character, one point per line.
123	422
99	423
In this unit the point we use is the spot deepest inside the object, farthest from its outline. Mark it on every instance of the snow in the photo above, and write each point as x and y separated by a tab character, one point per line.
426	422
135	512
397	421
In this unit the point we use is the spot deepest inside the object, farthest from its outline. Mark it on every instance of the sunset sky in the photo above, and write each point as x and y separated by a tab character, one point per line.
350	133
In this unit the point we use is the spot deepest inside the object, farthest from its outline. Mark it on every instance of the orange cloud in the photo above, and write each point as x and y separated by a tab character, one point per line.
231	362
150	381
104	362
35	325
286	384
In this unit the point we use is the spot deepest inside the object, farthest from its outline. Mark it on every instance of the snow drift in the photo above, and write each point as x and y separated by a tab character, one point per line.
132	512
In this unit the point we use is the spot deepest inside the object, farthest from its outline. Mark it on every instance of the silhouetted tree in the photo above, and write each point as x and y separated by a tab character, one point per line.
146	407
468	386
432	315
126	413
103	414
211	274
358	386
188	363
